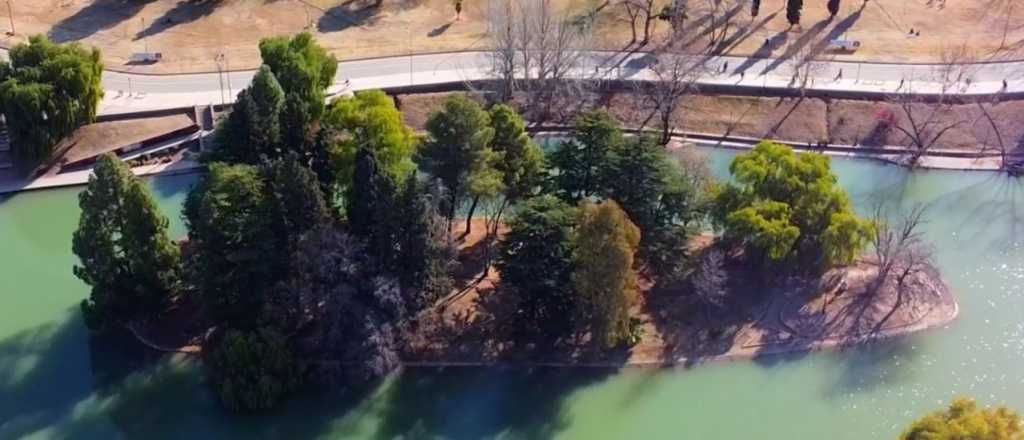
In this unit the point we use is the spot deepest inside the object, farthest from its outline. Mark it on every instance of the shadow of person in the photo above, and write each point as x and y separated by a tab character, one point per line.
438	31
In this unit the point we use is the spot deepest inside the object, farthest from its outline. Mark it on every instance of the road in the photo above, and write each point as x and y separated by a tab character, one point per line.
128	92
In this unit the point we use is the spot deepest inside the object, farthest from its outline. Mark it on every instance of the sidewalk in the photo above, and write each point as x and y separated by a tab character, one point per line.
150	92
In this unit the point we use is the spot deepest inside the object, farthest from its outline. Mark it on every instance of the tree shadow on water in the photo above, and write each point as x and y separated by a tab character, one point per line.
173	185
479	403
882	364
37	382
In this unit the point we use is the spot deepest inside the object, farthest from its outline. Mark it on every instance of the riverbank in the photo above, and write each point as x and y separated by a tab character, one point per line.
837	310
937	160
178	165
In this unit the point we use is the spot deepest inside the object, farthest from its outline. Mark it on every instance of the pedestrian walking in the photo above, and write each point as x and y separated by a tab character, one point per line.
1005	85
725	67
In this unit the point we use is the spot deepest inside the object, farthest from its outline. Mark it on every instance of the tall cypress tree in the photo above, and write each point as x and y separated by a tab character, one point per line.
123	247
755	8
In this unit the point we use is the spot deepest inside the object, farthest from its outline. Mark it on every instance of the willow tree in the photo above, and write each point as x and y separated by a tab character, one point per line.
788	208
303	68
603	275
125	254
370	120
47	91
965	420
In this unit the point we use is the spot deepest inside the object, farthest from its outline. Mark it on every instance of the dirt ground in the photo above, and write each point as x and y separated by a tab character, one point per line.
836	121
190	33
835	310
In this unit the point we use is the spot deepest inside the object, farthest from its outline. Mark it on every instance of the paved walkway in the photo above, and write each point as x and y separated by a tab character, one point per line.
133	92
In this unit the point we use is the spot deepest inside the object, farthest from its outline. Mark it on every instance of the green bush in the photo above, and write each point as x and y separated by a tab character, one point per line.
253	371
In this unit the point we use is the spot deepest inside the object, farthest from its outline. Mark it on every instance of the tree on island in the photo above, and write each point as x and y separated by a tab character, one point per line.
520	164
535	259
254	370
235	254
580	162
342	308
965	420
603	274
47	91
402	227
789	208
659	198
370	120
252	131
296	203
122	244
457	152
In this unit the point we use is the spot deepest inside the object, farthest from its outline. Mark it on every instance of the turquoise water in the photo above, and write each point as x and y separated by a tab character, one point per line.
55	383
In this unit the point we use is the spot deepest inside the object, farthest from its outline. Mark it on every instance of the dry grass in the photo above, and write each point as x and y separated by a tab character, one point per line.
191	32
845	122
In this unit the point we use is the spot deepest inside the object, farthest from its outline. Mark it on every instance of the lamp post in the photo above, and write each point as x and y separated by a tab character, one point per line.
220	78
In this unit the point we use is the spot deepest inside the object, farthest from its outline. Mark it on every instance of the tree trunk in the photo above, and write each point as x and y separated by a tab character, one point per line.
469	216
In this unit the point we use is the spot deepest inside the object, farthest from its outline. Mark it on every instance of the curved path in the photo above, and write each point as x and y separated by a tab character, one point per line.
128	92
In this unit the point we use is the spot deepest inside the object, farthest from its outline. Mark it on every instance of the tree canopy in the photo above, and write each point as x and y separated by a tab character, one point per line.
122	244
370	120
580	163
252	131
965	420
302	67
457	151
535	260
521	161
47	91
236	255
603	274
785	207
659	198
253	370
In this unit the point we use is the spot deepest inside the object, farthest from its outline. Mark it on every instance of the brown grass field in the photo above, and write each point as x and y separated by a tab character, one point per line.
190	33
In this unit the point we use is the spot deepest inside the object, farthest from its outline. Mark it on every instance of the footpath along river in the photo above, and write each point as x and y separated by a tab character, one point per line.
55	384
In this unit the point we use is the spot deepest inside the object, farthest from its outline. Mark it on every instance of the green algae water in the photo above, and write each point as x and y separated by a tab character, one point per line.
56	383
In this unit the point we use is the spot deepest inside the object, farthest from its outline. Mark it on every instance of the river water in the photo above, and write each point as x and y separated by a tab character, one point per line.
55	383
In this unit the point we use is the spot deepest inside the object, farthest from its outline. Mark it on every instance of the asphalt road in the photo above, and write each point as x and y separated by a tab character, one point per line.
736	67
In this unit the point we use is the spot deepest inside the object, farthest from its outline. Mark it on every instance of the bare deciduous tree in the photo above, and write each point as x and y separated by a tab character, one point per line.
900	250
642	10
923	123
675	76
709	279
537	49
